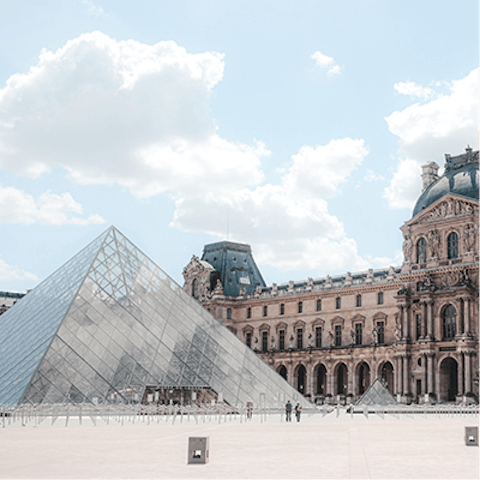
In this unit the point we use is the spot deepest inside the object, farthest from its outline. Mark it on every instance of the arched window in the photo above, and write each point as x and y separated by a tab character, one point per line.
453	245
422	251
380	298
449	322
300	307
338	303
319	305
229	313
359	300
282	308
195	288
265	310
249	312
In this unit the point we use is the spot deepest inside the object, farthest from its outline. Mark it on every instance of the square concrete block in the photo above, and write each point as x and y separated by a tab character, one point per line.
198	450
471	436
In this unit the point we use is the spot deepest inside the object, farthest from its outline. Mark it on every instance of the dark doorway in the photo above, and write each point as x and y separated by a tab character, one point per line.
282	371
387	376
301	379
448	380
363	378
341	379
321	380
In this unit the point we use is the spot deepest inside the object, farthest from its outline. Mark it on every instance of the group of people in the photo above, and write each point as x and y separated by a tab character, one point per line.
289	408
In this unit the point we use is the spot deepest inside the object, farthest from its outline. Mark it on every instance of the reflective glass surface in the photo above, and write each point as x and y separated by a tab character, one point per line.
108	323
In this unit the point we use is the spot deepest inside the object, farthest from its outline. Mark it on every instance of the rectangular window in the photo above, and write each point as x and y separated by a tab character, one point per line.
264	342
319	305
300	338
358	334
359	300
281	340
381	332
338	335
249	312
418	326
318	337
380	298
282	308
338	303
265	310
300	307
248	339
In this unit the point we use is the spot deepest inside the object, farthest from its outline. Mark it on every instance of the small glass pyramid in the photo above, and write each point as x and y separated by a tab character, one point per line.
376	394
110	322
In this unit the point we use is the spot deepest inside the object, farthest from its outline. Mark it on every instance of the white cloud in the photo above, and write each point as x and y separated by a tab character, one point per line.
122	112
12	272
17	206
289	224
326	62
94	10
413	89
445	124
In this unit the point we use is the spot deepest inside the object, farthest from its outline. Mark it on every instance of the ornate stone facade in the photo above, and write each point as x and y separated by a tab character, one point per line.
414	327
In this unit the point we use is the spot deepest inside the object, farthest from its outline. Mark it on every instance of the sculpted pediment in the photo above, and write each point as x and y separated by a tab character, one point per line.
196	266
448	206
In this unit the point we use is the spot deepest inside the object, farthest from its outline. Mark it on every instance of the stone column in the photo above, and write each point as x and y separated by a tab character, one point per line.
458	323
429	319
423	333
330	382
429	372
460	374
466	316
406	386
468	374
351	379
405	329
398	375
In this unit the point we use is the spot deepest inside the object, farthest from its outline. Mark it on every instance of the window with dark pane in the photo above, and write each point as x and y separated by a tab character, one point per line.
318	337
281	340
418	326
195	288
319	305
359	300
358	334
380	298
381	332
249	312
282	308
229	313
453	245
338	303
299	338
265	310
248	339
264	342
449	322
300	307
338	335
422	251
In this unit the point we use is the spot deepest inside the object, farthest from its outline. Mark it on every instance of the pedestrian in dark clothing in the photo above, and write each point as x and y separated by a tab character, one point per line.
298	411
249	409
288	411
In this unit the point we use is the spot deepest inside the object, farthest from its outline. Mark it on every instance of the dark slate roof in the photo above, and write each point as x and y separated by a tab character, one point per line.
235	263
460	178
376	394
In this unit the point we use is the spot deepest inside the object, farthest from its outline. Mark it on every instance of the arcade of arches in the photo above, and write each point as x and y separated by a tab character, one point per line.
415	326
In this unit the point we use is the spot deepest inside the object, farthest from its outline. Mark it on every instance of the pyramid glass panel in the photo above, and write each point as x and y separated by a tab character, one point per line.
376	394
109	323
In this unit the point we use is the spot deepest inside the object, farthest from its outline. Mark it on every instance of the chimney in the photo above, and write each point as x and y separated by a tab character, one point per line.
429	174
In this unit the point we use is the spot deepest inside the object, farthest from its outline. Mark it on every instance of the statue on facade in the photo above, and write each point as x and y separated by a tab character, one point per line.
331	339
274	290
310	341
352	337
272	343
407	248
310	283
375	336
397	332
469	238
291	342
434	243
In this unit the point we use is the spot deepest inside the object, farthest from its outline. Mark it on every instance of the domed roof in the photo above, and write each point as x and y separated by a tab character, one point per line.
460	178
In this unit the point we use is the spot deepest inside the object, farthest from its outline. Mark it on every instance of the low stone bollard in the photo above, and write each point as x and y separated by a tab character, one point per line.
471	436
198	450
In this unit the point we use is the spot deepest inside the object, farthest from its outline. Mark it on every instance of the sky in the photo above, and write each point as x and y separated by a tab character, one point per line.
297	127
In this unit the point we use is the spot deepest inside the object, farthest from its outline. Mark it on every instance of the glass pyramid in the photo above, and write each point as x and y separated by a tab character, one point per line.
376	394
109	322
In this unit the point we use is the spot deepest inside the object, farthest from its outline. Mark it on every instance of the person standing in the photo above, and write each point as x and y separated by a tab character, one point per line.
288	411
249	408
298	411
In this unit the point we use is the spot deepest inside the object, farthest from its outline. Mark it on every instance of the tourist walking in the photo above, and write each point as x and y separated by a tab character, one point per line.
298	411
288	411
249	408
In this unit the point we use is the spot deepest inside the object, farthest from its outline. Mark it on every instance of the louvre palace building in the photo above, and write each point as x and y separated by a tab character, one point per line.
414	327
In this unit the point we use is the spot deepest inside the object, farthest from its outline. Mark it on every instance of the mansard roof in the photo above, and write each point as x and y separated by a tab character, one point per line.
460	178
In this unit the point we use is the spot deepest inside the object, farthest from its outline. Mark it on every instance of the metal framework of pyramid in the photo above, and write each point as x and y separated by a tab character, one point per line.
109	322
376	394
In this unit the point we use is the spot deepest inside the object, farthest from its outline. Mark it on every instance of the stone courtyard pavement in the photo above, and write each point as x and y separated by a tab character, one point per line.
317	447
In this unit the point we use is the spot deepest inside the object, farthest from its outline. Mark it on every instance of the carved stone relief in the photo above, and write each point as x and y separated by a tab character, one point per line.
449	208
469	235
434	243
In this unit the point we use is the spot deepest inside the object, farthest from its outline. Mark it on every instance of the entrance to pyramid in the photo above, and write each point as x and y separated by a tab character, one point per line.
178	395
